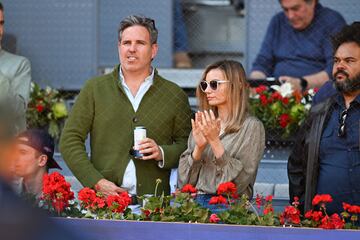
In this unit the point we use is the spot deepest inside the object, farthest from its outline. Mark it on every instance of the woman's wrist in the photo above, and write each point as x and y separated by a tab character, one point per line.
217	148
196	154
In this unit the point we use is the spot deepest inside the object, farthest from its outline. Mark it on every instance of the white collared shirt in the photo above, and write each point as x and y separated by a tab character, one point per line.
129	179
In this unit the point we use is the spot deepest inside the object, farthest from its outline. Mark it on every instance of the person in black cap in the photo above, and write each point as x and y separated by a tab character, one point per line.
34	150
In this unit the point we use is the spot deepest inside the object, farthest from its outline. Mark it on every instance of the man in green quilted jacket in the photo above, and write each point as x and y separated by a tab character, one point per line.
109	107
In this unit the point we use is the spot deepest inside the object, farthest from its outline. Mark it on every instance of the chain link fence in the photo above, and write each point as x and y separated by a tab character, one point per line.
236	30
209	30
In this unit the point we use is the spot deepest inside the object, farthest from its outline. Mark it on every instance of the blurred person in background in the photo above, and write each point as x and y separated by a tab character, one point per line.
15	76
109	107
297	45
18	220
34	156
227	142
326	155
181	43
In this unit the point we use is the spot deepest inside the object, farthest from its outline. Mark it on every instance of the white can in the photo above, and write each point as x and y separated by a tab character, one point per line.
139	134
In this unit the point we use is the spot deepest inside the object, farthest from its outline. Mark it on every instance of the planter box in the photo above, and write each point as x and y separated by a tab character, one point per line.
126	230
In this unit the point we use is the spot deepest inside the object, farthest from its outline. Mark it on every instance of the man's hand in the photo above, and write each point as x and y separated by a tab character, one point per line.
108	188
149	148
295	82
257	75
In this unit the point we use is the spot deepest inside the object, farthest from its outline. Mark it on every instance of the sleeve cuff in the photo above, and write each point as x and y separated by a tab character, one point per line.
192	162
222	161
161	163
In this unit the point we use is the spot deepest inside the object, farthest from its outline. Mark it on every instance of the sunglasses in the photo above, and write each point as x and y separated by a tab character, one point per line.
342	119
213	84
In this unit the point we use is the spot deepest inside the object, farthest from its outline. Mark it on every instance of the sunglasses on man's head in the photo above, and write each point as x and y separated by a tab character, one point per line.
213	84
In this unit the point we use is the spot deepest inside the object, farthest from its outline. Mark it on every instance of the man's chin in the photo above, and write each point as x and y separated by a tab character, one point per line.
347	85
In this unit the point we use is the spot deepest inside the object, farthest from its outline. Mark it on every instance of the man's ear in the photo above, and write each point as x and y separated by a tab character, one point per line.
154	50
43	160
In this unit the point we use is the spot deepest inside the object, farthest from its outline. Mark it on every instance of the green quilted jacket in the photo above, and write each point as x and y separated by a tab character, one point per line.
103	110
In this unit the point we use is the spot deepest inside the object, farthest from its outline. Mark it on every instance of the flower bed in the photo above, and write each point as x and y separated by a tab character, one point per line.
182	207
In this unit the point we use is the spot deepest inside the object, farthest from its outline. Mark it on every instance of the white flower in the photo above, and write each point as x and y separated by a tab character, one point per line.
311	92
285	89
48	90
307	106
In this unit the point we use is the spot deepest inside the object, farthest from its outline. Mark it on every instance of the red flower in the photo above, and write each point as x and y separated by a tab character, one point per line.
291	215
321	198
263	100
56	191
314	215
227	188
118	203
308	214
90	200
285	100
99	202
214	218
351	208
268	210
260	89
269	198
39	108
296	201
333	222
276	96
258	201
218	200
188	188
146	212
86	196
284	120
235	196
317	215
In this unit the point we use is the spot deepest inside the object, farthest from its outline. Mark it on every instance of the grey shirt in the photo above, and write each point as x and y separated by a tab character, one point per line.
239	163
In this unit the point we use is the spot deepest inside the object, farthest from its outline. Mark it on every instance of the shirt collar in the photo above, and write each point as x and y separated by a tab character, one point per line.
149	79
339	99
357	99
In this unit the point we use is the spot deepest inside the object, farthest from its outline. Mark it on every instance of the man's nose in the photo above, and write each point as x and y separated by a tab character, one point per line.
132	47
291	14
340	65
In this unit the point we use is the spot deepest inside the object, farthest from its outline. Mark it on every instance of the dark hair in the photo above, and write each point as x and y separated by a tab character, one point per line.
133	20
1	7
349	33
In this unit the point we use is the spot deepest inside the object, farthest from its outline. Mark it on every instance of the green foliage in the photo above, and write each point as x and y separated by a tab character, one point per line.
281	112
182	209
46	109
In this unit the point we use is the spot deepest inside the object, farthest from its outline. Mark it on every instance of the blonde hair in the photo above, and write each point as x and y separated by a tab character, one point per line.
237	97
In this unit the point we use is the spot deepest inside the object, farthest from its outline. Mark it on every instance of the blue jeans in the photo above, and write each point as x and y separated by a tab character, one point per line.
180	33
203	200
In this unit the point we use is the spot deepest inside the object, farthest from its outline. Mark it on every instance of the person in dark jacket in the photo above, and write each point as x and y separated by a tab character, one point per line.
326	157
